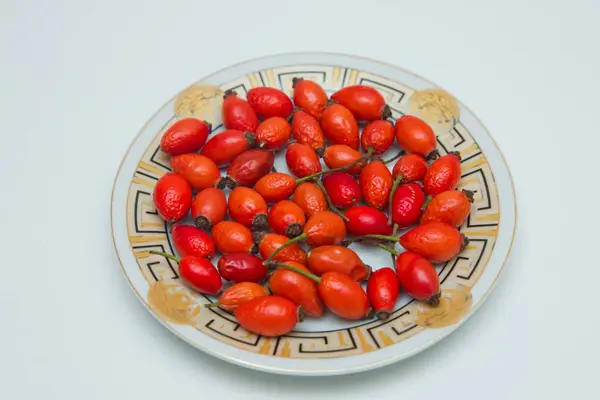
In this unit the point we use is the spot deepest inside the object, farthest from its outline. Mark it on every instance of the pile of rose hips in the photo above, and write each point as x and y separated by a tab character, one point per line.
311	127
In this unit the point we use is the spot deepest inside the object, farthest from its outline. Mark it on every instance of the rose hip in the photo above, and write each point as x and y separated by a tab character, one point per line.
418	278
247	207
306	130
383	290
436	241
197	272
269	102
241	267
309	96
172	197
443	174
363	220
269	315
275	186
342	188
209	208
302	160
269	245
227	145
297	288
239	294
185	136
378	135
409	168
415	136
339	259
406	206
287	218
247	168
233	237
192	241
200	172
238	113
451	207
273	133
376	184
310	198
341	155
365	102
339	126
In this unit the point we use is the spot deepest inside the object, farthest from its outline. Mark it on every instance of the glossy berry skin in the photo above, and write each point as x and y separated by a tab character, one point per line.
241	267
436	241
339	259
241	293
407	204
378	135
342	188
273	133
247	168
200	172
192	241
172	197
306	130
227	145
363	220
209	207
185	136
443	174
343	296
247	207
302	160
287	218
414	135
269	102
410	167
238	113
451	207
376	184
339	126
325	228
383	290
365	102
340	155
404	259
310	198
297	288
309	96
268	315
272	241
418	278
232	237
275	186
200	275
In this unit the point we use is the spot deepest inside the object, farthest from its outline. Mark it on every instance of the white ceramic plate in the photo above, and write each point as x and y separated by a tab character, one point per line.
329	345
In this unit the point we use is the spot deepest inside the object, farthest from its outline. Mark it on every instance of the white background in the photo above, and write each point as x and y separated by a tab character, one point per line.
79	78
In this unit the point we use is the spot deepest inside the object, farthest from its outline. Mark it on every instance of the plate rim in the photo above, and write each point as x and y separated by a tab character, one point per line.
341	370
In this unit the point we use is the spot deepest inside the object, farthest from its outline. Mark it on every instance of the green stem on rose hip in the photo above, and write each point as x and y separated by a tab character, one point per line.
389	249
394	233
395	185
386	238
332	206
338	169
169	256
283	246
292	268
